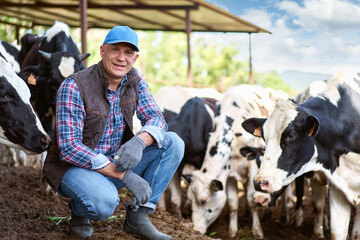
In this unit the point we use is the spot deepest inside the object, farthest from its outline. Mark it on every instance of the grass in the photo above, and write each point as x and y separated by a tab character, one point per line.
59	219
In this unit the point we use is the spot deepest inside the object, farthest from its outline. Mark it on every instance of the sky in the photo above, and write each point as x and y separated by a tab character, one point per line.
321	36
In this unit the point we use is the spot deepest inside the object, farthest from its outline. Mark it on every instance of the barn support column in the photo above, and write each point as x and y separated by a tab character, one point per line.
188	31
17	35
251	77
84	27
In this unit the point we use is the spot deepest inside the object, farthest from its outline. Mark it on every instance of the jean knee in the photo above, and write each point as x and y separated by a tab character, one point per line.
177	145
103	207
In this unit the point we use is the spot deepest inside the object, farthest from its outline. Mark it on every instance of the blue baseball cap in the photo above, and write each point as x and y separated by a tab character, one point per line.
122	34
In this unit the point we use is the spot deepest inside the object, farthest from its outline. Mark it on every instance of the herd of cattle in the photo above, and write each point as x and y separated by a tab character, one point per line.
249	136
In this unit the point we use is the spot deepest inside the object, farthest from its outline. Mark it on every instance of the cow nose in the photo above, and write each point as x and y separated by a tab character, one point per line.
203	202
45	141
261	185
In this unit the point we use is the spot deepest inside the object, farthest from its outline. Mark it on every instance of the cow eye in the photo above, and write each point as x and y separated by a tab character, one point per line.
4	98
291	136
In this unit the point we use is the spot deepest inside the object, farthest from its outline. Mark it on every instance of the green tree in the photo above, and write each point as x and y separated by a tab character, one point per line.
273	80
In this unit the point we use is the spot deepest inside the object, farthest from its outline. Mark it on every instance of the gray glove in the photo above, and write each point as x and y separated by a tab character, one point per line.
129	154
138	187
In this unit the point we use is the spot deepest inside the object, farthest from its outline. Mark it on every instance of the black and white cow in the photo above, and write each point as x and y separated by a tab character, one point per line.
19	125
171	100
10	53
216	182
45	62
317	180
321	134
193	125
318	192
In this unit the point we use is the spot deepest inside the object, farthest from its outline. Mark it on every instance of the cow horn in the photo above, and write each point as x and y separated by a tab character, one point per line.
45	55
82	57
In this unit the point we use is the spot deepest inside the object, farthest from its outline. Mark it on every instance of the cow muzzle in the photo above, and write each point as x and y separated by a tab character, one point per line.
263	184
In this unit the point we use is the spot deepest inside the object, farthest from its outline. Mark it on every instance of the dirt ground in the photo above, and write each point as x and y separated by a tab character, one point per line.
27	211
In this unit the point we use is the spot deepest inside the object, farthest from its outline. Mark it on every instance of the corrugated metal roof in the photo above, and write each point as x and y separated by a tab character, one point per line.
138	14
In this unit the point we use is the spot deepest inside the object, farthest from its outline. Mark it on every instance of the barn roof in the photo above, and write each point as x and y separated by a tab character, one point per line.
138	14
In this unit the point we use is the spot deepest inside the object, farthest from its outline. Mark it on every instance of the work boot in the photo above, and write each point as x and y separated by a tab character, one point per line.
80	226
137	224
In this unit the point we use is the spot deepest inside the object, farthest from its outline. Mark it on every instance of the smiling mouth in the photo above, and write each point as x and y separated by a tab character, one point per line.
119	66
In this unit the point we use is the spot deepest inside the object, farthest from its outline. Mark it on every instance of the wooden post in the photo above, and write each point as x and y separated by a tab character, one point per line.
188	31
84	27
17	28
251	77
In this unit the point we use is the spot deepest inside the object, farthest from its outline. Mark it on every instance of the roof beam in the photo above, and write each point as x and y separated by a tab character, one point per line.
104	6
164	26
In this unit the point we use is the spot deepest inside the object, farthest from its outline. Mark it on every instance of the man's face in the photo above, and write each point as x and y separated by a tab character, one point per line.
118	59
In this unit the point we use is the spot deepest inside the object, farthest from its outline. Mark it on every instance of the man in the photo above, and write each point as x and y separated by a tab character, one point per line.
96	153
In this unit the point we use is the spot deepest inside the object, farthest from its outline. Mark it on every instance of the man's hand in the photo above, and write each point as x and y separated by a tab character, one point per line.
129	154
138	187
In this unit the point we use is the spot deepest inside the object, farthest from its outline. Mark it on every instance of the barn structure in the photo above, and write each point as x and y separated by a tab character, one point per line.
174	15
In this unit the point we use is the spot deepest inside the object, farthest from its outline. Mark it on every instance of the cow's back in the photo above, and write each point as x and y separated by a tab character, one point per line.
238	103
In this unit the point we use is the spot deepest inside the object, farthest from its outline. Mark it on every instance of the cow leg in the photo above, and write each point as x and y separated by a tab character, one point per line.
318	193
299	190
22	158
340	211
175	190
355	235
287	203
162	202
256	224
13	156
233	205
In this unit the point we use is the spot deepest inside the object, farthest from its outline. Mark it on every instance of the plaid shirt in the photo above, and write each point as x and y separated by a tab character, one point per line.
70	115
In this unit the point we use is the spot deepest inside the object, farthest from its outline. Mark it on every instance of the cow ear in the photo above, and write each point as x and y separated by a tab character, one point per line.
216	185
30	74
254	125
187	177
82	57
248	152
312	125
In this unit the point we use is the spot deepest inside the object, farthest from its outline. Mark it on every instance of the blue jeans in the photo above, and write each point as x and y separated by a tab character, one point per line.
95	196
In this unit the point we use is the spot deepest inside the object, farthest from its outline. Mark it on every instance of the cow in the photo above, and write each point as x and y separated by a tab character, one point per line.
20	127
11	155
10	53
318	180
171	100
45	62
318	193
321	134
216	181
193	124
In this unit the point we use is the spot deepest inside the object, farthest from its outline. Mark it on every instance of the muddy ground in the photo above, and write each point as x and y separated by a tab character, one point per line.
27	211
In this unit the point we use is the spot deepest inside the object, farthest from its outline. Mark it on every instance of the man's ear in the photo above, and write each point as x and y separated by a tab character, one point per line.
254	125
102	50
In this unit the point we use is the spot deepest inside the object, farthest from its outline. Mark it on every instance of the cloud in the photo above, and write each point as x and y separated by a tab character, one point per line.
313	35
324	15
317	36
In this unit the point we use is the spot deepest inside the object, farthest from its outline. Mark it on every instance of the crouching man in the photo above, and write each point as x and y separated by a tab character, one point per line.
95	153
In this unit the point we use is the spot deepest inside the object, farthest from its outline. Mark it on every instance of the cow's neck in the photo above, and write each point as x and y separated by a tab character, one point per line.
339	129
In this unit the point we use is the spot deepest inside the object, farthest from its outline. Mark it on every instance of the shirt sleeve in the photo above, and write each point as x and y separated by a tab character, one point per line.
70	115
150	115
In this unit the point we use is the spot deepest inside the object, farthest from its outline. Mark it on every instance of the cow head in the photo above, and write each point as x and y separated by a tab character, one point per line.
208	199
289	135
19	125
54	70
